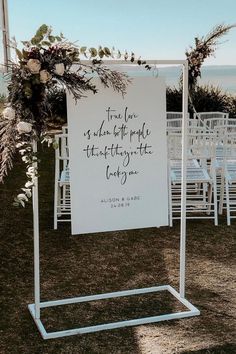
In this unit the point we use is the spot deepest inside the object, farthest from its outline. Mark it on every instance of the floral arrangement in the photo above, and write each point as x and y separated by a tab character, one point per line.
45	63
204	47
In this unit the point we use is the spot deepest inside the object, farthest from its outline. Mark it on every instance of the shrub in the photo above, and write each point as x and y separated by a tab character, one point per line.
206	98
57	103
173	99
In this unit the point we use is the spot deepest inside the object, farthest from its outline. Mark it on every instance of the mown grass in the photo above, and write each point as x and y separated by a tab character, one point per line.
87	264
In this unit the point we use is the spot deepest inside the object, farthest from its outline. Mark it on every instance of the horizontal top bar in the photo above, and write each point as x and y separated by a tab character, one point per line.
115	62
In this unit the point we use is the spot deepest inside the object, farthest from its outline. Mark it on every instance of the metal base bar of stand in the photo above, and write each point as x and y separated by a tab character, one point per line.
191	311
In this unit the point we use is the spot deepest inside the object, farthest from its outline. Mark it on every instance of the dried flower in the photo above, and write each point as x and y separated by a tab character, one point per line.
34	66
9	113
45	76
24	127
204	47
59	69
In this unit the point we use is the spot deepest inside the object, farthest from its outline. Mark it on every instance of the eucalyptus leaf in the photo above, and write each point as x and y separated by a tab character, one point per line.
19	54
107	51
51	39
83	50
35	40
46	43
26	43
93	52
55	145
101	53
42	30
25	54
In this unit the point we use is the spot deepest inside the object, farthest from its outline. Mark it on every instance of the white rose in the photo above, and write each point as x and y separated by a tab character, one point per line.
24	127
59	69
9	113
34	66
44	76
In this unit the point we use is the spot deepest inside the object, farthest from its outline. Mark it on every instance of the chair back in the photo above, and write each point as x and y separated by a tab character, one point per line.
201	145
212	119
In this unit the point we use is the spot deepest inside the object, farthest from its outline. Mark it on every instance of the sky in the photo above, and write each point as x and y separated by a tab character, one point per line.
153	29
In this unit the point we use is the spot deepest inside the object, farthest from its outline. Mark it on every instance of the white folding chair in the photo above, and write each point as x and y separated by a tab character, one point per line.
212	119
221	132
201	199
227	164
174	121
174	125
174	115
231	124
62	203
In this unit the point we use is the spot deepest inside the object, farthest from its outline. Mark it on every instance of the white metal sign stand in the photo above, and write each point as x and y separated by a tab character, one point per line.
179	295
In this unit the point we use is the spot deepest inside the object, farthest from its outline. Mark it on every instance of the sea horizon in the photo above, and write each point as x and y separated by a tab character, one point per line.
221	76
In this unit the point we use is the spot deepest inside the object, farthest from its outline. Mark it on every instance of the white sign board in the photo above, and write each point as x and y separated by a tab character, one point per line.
118	158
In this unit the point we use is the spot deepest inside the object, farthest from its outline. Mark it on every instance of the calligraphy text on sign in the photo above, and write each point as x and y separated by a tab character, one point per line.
128	142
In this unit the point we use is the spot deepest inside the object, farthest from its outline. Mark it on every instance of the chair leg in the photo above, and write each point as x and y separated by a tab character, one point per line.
170	205
209	198
204	188
227	201
170	218
215	199
63	196
170	198
222	191
55	204
59	201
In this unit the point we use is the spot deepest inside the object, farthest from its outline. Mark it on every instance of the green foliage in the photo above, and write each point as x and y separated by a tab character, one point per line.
57	101
232	106
206	98
2	98
173	99
36	87
211	99
42	38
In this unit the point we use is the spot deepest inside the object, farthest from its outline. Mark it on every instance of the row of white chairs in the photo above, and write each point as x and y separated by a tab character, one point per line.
211	168
209	120
217	134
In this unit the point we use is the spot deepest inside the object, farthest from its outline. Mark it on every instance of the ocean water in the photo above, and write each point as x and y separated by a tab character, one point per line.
222	76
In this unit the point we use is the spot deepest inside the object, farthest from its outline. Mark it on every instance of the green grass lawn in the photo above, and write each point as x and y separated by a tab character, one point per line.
87	264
